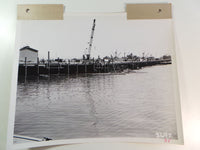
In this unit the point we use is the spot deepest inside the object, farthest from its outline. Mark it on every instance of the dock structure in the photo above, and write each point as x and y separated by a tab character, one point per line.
31	65
69	68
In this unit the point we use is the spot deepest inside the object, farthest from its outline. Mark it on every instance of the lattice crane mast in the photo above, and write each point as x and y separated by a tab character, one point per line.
91	40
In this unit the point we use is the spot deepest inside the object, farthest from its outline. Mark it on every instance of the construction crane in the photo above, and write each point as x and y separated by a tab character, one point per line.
91	40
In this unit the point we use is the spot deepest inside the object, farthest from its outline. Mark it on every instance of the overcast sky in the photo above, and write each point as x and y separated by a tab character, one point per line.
69	38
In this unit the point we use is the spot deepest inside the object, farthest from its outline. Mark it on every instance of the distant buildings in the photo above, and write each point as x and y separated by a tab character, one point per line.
29	53
31	56
166	57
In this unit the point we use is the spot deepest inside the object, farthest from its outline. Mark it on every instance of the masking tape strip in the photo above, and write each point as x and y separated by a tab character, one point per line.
149	11
40	12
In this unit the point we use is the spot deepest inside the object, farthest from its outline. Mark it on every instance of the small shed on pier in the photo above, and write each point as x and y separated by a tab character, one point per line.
29	53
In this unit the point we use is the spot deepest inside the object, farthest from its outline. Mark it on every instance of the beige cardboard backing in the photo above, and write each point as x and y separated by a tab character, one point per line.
40	12
149	11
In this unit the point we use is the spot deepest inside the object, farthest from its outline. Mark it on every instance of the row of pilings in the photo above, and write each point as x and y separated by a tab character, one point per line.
91	67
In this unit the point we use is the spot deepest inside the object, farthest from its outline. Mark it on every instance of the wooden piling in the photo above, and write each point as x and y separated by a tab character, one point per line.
85	67
58	66
38	67
68	71
49	62
93	65
106	67
25	63
113	65
77	69
132	62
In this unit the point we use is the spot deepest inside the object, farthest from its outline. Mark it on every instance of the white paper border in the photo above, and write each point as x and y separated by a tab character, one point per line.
12	110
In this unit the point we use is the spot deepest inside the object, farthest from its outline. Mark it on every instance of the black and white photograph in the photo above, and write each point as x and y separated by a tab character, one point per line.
96	76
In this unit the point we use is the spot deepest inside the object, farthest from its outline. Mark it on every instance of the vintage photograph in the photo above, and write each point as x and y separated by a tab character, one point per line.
96	77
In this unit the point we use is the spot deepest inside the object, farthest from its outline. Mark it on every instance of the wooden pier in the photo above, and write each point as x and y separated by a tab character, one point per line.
67	68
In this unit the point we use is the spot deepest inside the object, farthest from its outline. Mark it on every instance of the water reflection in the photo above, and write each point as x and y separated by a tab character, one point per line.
91	106
136	104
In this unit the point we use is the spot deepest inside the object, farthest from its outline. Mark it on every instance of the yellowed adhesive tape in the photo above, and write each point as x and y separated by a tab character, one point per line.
149	11
40	12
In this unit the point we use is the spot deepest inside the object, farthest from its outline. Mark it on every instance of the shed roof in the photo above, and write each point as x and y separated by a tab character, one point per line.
29	48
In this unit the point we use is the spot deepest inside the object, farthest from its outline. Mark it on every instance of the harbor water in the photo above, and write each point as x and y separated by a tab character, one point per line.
138	103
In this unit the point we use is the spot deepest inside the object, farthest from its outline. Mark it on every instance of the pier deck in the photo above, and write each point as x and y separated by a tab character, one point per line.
27	69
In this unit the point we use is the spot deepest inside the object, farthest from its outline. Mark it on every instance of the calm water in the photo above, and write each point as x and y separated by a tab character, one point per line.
136	104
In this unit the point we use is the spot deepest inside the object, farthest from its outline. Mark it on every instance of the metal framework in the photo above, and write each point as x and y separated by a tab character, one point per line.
91	40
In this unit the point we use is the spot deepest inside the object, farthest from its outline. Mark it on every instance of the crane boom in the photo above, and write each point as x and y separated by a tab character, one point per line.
91	39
